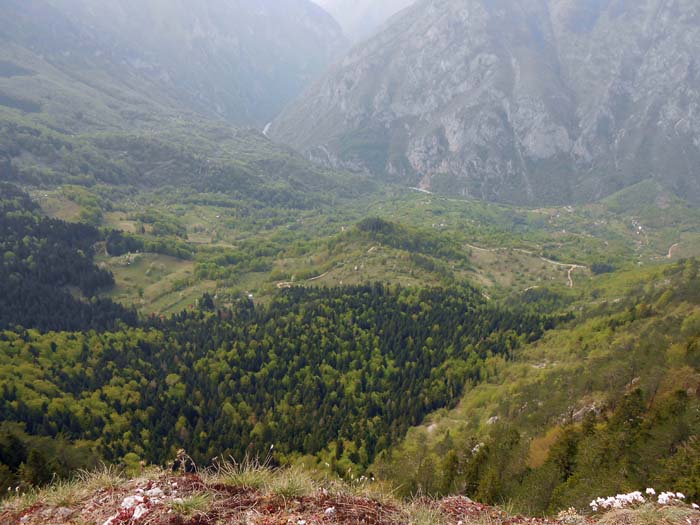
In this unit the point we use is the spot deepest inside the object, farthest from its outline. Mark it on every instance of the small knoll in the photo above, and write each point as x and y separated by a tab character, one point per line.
257	496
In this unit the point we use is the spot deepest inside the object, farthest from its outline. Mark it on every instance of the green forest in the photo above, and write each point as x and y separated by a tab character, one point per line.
366	362
542	399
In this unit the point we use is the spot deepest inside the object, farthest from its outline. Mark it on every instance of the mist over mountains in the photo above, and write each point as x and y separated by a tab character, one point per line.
360	19
536	101
541	101
237	60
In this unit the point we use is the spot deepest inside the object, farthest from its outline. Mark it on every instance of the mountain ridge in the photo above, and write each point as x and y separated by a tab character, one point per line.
514	102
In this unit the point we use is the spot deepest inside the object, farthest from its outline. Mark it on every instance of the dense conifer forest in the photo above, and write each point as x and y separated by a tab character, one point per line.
48	279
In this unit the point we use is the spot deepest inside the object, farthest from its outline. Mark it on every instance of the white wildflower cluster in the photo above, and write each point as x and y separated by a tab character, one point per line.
622	501
669	498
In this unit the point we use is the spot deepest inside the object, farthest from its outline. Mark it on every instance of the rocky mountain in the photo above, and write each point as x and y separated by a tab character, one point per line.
241	60
362	18
524	101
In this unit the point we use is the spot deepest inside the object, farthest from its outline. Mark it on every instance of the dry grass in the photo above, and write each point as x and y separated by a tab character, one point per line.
293	483
239	493
418	513
106	477
21	502
68	493
194	505
249	474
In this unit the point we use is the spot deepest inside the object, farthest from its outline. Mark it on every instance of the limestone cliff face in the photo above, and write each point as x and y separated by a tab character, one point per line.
525	101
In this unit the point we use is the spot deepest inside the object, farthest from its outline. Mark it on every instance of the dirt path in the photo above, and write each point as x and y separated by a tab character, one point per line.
569	274
318	277
572	267
672	249
489	250
421	190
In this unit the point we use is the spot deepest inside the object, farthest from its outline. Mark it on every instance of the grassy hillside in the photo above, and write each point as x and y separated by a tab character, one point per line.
240	247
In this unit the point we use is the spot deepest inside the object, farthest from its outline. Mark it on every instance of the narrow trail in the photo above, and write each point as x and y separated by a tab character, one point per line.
318	277
672	249
569	276
289	284
421	190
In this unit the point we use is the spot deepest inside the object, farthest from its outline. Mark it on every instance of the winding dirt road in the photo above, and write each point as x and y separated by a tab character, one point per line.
572	267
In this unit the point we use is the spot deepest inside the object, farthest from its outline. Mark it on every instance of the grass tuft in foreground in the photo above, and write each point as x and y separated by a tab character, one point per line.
252	493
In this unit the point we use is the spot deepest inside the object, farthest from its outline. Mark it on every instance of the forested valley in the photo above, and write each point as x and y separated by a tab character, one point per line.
336	374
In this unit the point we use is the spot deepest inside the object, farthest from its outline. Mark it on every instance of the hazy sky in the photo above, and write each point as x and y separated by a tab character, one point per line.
360	18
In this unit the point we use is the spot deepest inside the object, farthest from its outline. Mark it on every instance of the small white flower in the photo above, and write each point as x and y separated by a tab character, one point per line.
651	492
680	495
695	506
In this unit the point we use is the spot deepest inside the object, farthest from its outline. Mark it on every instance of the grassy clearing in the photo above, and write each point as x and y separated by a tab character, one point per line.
155	283
57	206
